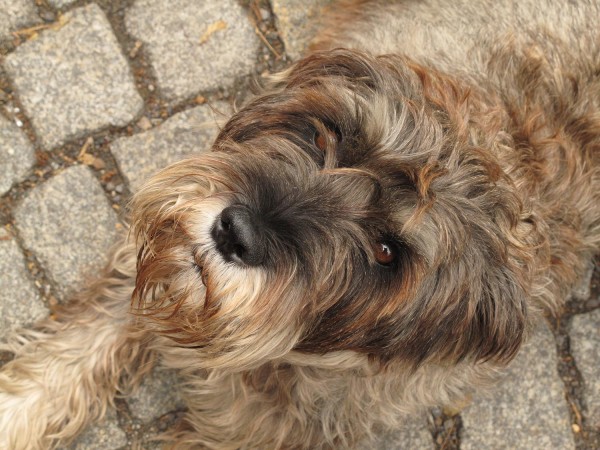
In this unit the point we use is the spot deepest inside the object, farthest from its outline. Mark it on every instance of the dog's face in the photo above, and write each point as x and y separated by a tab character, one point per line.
357	205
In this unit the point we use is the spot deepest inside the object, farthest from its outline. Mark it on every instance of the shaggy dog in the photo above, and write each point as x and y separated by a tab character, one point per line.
374	233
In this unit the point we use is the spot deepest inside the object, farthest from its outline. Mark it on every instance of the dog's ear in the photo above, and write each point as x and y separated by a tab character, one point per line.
471	308
489	318
479	240
481	244
475	300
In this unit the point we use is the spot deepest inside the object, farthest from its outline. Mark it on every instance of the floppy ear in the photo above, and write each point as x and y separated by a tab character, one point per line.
495	324
471	309
488	241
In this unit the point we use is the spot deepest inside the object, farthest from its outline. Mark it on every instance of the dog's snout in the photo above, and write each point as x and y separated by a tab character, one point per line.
238	236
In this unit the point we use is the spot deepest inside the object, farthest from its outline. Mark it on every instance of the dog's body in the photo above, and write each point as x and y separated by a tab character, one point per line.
372	235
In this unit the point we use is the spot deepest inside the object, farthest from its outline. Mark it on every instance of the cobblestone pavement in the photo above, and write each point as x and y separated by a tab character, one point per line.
94	96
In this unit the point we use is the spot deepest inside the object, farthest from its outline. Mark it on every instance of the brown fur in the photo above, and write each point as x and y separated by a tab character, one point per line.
483	176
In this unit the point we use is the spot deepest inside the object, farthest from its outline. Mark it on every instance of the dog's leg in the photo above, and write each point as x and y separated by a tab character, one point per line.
66	370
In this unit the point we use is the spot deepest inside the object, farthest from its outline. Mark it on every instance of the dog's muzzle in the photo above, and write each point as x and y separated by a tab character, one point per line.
239	237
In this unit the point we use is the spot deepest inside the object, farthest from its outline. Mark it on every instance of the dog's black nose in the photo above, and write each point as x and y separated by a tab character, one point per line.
238	236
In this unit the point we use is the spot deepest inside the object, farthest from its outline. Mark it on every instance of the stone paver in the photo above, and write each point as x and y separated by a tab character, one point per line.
582	290
69	224
60	3
585	345
16	155
194	46
20	303
297	21
158	394
16	14
191	131
105	435
412	435
73	79
528	409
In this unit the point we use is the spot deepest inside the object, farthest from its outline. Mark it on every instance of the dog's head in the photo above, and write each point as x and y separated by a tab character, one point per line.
358	204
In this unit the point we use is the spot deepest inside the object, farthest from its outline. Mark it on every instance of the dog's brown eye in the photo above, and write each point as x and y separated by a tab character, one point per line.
384	252
320	141
325	138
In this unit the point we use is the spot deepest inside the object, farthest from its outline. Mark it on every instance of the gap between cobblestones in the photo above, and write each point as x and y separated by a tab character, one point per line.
445	428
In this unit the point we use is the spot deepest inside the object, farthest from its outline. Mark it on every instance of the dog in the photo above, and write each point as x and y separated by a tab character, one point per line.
374	233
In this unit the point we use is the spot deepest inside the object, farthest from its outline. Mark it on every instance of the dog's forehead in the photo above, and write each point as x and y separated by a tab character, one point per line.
376	105
363	129
281	160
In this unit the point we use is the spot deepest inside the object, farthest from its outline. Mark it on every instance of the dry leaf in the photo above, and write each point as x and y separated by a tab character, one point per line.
87	159
213	28
98	164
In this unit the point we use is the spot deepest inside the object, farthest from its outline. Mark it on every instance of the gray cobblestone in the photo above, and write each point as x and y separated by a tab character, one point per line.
528	409
582	290
16	155
188	132
69	225
413	435
297	21
15	14
194	46
585	344
60	3
20	304
157	395
105	435
73	79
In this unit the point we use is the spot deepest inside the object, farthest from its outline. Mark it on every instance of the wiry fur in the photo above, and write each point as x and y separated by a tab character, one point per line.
477	155
68	369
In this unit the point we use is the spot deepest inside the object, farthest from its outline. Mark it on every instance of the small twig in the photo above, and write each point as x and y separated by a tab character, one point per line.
264	39
578	417
256	10
89	141
31	31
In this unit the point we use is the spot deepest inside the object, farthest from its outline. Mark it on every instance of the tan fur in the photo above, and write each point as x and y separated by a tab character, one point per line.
472	148
67	369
